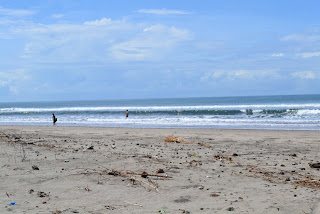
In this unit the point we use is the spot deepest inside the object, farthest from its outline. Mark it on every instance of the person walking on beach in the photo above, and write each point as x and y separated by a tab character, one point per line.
54	119
127	113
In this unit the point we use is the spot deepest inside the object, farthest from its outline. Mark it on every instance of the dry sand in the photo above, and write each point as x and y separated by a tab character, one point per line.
98	170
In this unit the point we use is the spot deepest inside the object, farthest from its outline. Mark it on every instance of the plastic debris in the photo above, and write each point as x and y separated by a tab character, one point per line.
13	203
162	211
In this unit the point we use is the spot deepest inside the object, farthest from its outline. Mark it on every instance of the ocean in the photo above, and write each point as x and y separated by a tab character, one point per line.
290	112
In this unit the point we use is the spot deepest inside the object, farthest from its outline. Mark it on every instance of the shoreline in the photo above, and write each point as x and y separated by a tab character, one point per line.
164	128
100	170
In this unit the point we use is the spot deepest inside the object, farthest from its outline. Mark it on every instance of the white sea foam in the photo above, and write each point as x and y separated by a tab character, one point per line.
164	108
170	122
309	112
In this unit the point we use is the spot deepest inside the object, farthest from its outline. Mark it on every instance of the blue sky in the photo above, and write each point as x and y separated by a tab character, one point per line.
99	49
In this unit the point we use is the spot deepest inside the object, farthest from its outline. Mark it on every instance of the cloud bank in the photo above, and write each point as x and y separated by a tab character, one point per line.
164	12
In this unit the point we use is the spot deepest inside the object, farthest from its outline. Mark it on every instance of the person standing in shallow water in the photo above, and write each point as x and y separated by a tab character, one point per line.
127	113
54	119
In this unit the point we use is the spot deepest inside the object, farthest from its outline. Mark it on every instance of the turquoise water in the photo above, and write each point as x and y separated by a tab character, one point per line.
256	112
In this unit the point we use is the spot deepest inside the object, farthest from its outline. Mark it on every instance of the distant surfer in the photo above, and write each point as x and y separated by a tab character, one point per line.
127	113
54	119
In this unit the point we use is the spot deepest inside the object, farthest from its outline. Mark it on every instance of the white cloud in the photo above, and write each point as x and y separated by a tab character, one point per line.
239	74
57	16
3	83
15	12
71	42
163	12
242	74
14	90
103	21
308	54
307	37
277	55
132	50
213	75
152	43
180	33
169	31
304	75
101	40
12	79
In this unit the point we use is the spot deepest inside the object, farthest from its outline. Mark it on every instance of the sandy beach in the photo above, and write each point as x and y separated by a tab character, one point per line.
52	169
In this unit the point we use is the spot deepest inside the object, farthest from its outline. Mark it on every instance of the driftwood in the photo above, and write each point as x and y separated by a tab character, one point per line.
310	183
131	176
314	165
143	174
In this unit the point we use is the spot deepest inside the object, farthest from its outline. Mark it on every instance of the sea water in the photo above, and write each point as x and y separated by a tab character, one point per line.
291	112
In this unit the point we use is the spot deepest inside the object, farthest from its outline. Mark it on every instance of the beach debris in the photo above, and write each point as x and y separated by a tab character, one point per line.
126	173
109	207
161	211
7	195
230	209
204	145
134	204
87	189
131	176
34	167
43	194
194	163
182	199
173	139
160	170
12	203
90	147
184	211
310	183
314	165
144	174
31	191
221	157
235	154
114	172
214	194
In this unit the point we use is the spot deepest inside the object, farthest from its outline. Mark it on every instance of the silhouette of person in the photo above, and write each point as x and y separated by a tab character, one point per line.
54	119
127	113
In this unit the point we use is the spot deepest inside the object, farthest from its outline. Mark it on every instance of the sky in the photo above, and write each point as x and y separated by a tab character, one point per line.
127	49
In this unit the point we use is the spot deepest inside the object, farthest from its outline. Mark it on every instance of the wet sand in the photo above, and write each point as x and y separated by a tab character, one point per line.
122	170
